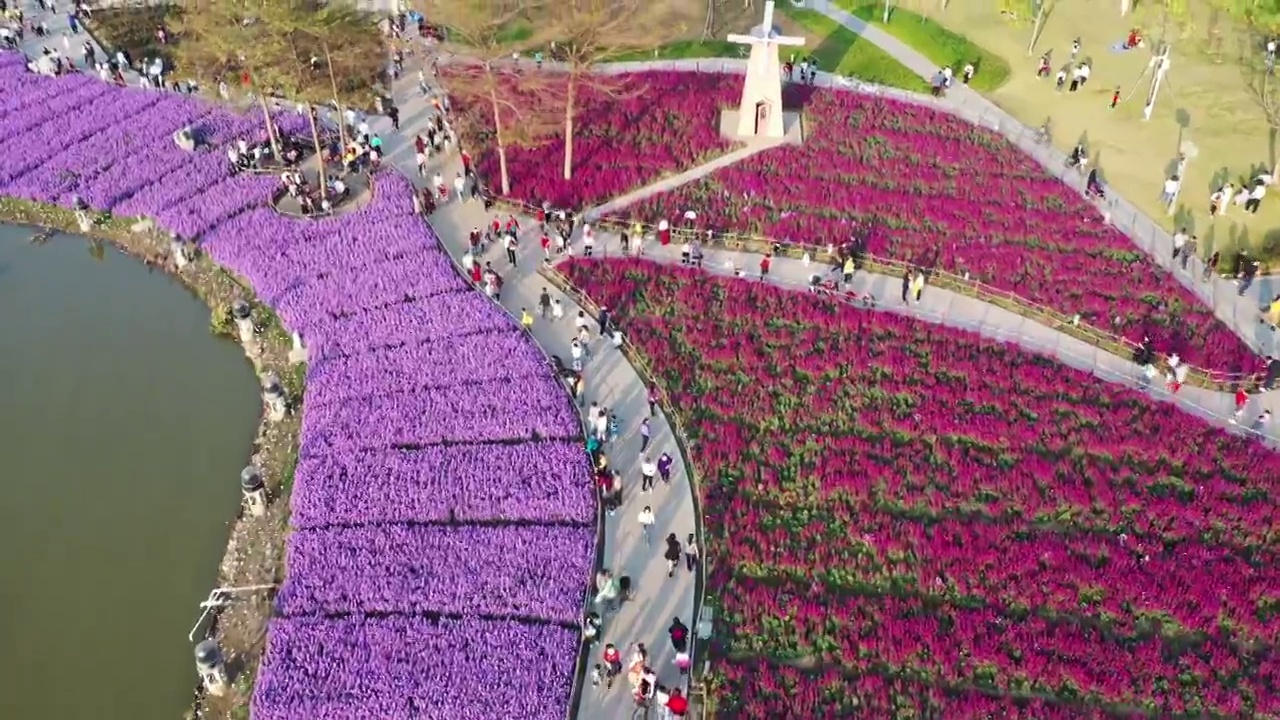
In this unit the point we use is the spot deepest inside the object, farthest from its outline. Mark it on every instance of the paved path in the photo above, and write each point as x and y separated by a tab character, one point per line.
612	382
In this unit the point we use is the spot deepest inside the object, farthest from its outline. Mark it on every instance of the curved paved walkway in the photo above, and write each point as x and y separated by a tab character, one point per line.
612	382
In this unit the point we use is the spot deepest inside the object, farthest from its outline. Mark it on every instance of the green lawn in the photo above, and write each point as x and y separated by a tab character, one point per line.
839	50
940	45
132	29
687	49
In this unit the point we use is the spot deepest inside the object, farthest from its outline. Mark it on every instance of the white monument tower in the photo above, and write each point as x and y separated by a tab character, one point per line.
760	114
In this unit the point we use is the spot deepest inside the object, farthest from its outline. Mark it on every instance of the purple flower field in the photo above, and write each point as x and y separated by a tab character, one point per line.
427	412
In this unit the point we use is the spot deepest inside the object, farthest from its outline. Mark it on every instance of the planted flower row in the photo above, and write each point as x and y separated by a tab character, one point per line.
396	340
402	668
890	496
411	569
525	482
759	689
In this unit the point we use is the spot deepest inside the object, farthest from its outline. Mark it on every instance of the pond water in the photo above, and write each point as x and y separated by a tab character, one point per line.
124	424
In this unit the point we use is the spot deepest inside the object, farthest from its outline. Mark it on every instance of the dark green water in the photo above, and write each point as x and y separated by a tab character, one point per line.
123	428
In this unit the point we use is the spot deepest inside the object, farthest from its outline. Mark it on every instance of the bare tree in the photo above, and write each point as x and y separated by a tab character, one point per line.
483	36
1258	63
222	43
592	32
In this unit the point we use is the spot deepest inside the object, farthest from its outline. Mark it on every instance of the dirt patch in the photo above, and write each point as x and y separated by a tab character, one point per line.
1204	101
255	547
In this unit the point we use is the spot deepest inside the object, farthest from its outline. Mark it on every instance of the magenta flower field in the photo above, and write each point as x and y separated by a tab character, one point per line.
655	128
924	518
922	185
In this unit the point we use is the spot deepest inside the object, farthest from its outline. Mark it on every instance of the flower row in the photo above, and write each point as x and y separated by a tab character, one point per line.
533	571
525	482
405	668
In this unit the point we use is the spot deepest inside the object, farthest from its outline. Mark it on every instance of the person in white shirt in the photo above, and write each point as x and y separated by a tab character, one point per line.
1255	198
648	470
575	353
600	426
646	523
557	309
1171	187
1179	242
1260	425
581	321
460	187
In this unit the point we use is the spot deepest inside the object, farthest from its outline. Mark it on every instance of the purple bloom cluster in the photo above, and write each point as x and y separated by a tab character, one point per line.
427	410
406	668
414	569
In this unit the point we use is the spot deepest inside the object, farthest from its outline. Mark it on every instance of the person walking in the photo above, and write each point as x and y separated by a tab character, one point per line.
672	554
664	468
509	242
647	520
653	403
1242	400
691	553
645	434
544	303
557	309
906	285
616	495
526	319
612	664
677	705
917	286
604	321
1212	266
604	480
647	470
679	634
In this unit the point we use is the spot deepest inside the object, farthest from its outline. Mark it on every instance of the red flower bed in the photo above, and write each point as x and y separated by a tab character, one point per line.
929	188
648	126
891	499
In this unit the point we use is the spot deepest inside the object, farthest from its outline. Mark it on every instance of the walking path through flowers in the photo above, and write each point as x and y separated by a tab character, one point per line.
613	383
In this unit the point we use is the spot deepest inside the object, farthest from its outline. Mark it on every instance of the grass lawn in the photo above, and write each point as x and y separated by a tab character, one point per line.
1204	100
940	45
133	29
687	49
839	50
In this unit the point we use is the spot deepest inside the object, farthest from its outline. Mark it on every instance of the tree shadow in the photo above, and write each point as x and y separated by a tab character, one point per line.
1221	177
1184	218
